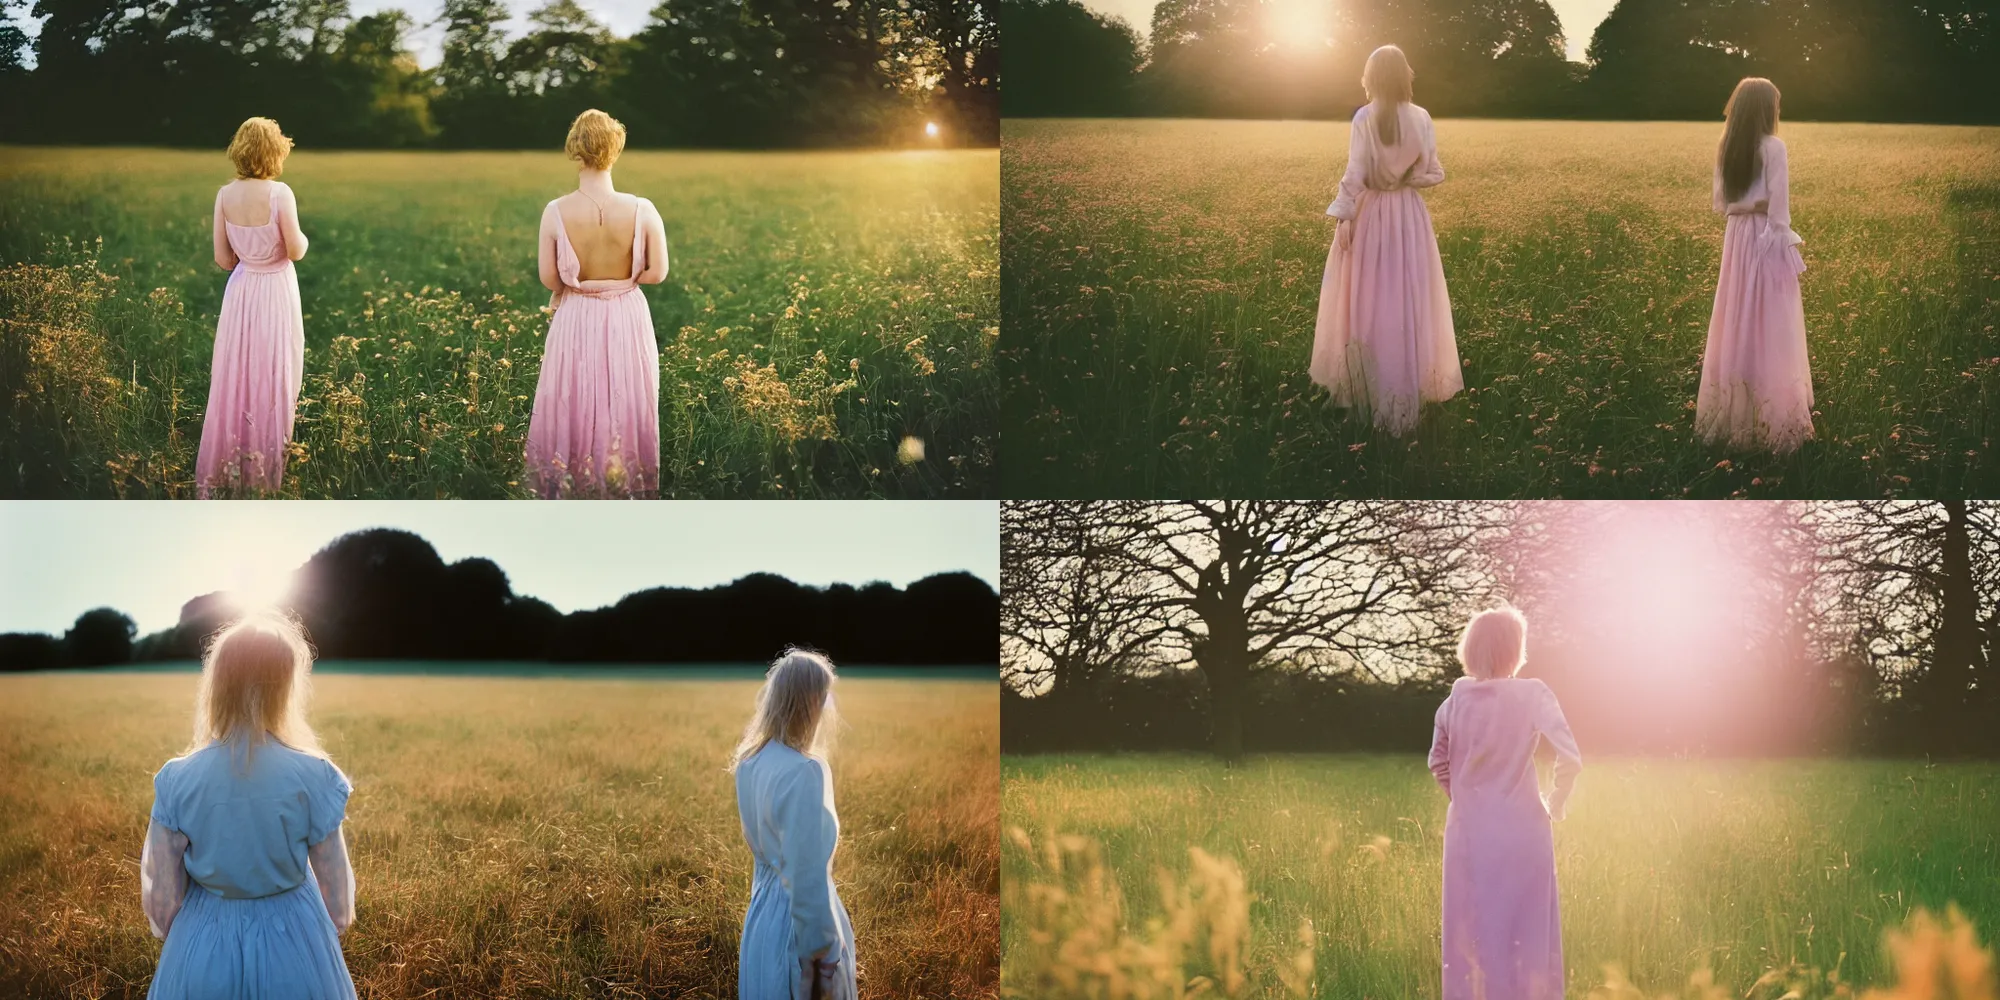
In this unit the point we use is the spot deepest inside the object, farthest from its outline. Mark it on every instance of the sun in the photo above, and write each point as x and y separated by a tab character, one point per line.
1299	25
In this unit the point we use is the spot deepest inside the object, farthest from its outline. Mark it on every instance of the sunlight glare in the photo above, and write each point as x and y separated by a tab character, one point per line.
1299	25
931	129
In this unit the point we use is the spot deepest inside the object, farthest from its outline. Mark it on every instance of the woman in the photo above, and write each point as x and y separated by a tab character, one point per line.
595	430
251	817
260	338
1384	338
1502	927
797	940
1756	381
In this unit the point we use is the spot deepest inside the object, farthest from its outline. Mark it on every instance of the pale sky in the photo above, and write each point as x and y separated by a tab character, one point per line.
61	558
1579	17
623	17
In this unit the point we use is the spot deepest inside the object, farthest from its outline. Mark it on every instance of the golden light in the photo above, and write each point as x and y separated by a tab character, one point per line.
931	129
256	584
1299	25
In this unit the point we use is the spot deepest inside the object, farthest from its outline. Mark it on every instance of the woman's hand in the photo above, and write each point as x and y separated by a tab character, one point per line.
1558	809
816	974
1343	235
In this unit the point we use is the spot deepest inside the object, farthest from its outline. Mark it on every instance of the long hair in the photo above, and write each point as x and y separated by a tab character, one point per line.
1388	77
1495	643
794	707
256	678
1751	115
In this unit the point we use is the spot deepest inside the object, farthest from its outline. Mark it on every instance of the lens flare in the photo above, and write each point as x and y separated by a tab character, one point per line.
931	129
1299	25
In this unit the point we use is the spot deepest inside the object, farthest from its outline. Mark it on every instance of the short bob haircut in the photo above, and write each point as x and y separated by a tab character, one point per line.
595	140
259	149
1495	644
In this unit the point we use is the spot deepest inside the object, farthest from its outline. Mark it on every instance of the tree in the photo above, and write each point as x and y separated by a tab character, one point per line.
1240	589
1074	614
100	637
473	102
1066	59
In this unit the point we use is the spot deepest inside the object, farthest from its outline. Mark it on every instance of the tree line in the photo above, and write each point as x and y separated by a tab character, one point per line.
700	73
386	594
1852	60
1240	626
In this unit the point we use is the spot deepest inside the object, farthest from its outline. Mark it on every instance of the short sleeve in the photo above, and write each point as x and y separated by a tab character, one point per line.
326	801
163	807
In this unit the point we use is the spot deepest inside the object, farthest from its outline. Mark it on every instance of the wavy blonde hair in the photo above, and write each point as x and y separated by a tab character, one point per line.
256	678
1389	81
794	707
1495	644
595	140
259	149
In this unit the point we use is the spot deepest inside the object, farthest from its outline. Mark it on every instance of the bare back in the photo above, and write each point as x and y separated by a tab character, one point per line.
247	202
602	240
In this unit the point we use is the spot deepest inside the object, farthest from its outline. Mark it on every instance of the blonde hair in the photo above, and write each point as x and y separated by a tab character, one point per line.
1387	78
256	678
794	707
595	139
259	149
1751	114
1495	644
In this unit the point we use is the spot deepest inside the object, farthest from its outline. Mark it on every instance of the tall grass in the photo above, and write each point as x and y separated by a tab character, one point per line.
516	837
1160	282
822	309
1666	867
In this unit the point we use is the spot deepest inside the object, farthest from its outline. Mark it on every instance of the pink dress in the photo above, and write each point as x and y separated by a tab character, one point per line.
1384	339
1756	381
1502	924
260	353
595	431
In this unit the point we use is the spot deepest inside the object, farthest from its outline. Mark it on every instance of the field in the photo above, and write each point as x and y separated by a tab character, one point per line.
1666	866
1160	281
821	308
519	838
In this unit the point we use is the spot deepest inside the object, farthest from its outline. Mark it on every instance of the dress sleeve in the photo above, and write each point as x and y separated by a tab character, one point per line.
1345	203
326	803
1778	189
1430	172
163	807
806	831
1441	750
1554	729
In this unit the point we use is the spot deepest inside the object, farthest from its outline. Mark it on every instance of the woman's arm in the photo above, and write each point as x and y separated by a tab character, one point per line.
225	255
1777	185
1346	202
162	877
545	250
806	828
1428	172
1554	729
1441	751
288	222
335	876
656	244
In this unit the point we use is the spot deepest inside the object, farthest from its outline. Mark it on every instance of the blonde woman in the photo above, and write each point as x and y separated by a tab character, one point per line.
1383	341
1756	379
260	337
797	940
1502	926
595	429
245	872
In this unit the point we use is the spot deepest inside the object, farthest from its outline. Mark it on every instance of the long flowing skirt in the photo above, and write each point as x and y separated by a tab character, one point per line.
1384	338
767	967
1756	380
1502	921
595	431
247	949
253	386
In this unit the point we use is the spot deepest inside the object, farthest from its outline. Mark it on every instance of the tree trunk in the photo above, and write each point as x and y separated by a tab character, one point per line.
1224	662
1956	662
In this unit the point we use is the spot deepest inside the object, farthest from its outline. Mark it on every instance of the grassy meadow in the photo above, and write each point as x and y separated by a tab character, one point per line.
1161	278
1667	867
518	837
821	308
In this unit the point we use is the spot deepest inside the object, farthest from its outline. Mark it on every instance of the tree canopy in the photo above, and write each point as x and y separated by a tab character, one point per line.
1866	60
704	73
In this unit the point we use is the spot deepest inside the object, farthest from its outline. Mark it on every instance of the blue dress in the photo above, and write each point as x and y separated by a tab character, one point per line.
253	924
785	800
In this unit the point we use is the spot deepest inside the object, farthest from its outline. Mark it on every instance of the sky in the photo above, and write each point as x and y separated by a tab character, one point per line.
61	558
1579	17
623	17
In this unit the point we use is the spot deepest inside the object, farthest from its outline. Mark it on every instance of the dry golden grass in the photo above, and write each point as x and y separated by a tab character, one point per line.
519	837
